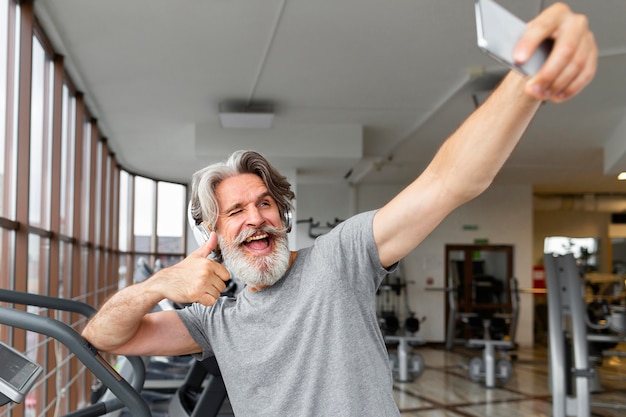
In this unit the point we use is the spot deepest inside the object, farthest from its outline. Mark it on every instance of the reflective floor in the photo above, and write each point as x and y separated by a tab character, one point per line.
445	388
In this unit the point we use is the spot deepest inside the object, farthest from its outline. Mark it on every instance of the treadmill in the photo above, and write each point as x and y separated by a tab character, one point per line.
201	394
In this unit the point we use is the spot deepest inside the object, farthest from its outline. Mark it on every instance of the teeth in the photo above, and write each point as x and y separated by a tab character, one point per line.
258	237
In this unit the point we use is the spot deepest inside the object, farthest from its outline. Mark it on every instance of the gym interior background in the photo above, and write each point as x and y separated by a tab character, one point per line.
78	214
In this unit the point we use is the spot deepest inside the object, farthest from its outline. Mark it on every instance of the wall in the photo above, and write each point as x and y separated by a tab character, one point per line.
322	202
503	216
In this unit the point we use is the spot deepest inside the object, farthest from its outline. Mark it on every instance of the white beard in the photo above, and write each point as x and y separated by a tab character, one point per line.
257	271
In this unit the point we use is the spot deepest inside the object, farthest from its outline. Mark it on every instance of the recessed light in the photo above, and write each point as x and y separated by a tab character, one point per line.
622	176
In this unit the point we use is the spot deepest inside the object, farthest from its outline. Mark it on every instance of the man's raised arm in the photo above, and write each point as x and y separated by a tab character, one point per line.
469	160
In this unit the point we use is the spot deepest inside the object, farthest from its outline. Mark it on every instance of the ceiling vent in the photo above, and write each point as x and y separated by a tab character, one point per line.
236	115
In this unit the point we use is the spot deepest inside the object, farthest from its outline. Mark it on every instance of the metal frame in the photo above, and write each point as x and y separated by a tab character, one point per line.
566	305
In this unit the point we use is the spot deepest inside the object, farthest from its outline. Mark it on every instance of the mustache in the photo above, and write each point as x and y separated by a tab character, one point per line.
271	231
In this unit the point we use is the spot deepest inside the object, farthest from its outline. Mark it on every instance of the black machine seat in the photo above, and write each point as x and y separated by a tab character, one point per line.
203	392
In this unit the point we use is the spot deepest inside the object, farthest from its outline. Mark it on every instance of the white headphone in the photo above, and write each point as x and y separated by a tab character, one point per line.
201	232
288	220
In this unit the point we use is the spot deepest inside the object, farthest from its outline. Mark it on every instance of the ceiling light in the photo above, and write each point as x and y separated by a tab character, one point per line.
622	176
234	115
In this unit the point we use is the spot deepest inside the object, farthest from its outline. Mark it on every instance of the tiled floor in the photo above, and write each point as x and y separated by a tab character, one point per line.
445	389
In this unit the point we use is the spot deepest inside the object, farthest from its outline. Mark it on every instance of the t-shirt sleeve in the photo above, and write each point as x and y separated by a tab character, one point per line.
350	249
195	317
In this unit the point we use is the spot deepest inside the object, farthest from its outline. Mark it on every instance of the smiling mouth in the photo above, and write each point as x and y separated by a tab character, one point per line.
258	237
258	242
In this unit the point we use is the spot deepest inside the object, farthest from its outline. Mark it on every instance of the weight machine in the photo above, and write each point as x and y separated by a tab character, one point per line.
570	383
488	368
406	364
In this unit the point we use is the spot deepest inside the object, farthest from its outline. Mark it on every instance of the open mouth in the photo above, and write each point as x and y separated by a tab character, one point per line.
258	242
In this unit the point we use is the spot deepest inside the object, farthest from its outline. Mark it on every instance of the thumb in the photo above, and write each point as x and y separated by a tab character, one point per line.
208	246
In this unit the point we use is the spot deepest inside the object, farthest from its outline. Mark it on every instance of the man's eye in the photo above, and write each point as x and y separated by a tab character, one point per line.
234	213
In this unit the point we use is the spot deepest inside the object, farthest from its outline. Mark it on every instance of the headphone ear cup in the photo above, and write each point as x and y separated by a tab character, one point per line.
200	232
204	233
288	220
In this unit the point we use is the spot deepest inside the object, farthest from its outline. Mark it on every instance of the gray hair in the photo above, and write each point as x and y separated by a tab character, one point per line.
203	204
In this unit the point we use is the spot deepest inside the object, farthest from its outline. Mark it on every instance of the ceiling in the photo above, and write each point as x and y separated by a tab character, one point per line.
364	90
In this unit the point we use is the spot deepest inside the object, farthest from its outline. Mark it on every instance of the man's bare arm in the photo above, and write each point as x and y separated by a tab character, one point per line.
124	325
469	160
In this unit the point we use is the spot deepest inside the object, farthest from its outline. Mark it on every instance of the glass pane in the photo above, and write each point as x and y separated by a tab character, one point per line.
584	249
4	55
144	214
124	211
490	277
122	271
9	66
68	149
40	138
171	217
65	271
107	217
81	285
38	261
86	182
7	256
96	212
7	246
456	276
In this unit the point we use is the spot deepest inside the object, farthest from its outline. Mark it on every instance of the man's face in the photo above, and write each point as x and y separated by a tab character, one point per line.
250	231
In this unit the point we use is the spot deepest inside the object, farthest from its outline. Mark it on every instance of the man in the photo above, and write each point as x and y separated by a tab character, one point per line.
302	337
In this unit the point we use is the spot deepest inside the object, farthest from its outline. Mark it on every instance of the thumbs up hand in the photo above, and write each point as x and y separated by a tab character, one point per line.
194	279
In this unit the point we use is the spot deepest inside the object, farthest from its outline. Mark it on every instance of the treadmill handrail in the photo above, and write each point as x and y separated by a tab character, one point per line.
73	306
46	301
84	351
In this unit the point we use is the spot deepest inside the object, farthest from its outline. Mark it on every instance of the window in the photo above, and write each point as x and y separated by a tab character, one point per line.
9	66
144	214
85	182
40	137
68	158
585	249
107	220
124	211
170	227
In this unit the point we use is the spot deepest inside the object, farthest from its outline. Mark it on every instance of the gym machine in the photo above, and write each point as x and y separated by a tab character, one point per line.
201	393
406	364
570	383
126	394
489	332
487	368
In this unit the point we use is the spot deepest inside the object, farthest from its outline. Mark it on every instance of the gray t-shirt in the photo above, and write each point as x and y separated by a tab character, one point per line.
310	344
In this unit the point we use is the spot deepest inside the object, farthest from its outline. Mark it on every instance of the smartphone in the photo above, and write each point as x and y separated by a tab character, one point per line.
499	30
